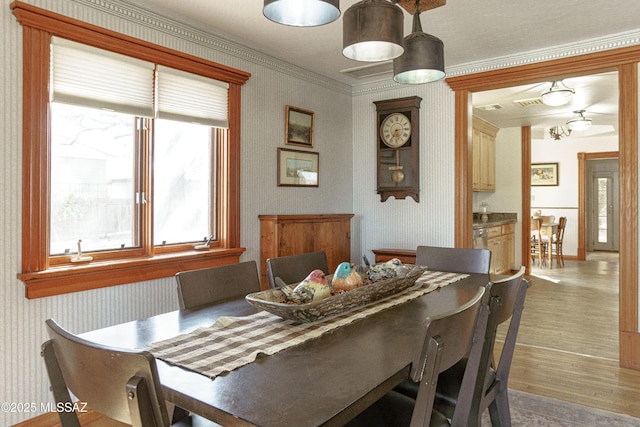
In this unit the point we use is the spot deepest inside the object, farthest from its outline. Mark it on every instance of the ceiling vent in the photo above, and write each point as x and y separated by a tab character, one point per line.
529	102
369	70
489	107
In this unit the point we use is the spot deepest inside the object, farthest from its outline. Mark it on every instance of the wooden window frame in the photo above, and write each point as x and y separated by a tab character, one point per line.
40	277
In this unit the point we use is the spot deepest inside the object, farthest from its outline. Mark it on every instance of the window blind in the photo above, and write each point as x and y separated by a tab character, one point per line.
188	97
92	77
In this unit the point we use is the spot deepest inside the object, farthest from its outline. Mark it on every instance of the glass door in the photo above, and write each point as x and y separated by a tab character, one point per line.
602	221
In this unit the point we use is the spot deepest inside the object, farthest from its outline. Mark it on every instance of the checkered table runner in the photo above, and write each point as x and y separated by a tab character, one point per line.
232	342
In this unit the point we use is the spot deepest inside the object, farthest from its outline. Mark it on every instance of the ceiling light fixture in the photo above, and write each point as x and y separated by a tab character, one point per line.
302	13
558	132
580	122
372	31
557	94
423	57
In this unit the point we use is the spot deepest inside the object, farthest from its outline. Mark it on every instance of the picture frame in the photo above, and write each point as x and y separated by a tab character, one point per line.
297	168
544	174
298	127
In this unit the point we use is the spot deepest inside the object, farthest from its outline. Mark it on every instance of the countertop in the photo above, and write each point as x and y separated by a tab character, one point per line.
495	219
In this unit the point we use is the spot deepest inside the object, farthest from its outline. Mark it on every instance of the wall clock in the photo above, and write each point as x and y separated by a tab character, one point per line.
397	142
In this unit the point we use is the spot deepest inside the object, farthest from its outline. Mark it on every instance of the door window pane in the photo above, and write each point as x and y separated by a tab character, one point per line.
603	204
182	191
92	179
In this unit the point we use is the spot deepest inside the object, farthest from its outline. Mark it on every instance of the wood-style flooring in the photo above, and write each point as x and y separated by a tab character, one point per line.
568	341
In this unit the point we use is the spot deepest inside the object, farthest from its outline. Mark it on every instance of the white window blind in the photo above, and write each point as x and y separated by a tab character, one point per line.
188	97
92	77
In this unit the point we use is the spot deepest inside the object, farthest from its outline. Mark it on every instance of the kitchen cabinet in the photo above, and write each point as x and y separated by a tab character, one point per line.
282	235
501	242
483	155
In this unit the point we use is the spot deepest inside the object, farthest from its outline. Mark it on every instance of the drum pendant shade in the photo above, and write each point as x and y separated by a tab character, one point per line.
423	57
372	31
302	13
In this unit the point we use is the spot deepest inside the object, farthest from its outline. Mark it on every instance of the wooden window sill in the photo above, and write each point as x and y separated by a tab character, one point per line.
99	274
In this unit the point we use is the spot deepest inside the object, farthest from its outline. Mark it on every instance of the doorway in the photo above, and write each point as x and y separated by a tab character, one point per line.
602	205
623	60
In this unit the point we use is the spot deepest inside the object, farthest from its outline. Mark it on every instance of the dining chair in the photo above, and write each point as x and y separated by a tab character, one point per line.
294	268
548	219
447	339
454	260
506	302
121	384
556	241
197	288
538	247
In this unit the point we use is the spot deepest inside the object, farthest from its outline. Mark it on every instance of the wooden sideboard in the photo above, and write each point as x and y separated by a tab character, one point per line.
282	235
407	256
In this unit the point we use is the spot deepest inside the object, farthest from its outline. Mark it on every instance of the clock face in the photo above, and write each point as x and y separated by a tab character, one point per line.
395	130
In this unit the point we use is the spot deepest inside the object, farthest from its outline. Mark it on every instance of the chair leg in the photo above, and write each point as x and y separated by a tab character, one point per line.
499	410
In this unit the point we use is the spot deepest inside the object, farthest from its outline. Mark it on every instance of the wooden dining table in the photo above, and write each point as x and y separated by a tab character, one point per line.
325	381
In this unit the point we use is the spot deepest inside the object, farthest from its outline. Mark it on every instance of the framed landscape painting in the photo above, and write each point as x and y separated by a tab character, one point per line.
544	174
297	168
298	127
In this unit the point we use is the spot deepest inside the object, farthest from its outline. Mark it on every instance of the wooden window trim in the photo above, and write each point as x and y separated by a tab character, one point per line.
41	278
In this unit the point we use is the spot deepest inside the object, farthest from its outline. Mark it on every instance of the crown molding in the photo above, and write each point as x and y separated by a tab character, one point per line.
151	20
614	41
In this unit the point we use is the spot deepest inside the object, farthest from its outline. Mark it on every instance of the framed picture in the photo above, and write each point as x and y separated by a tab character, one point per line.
544	174
298	127
297	168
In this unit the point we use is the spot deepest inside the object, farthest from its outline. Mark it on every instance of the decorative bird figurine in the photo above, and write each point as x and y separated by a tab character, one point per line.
345	278
386	270
313	288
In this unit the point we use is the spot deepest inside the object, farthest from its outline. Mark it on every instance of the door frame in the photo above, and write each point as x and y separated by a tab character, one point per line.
625	62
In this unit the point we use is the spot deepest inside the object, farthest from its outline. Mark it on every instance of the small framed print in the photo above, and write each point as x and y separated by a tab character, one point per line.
298	127
544	174
297	168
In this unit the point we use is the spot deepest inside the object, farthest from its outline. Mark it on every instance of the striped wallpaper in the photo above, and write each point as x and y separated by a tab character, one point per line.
345	131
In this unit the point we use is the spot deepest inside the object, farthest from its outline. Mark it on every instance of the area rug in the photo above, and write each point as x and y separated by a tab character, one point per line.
530	410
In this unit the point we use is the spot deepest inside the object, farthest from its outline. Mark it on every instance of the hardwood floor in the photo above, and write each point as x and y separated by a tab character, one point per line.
568	340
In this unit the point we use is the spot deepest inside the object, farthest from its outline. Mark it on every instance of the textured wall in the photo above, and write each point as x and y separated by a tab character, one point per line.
404	223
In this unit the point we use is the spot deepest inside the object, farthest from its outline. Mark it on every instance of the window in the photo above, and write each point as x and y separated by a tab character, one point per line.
131	158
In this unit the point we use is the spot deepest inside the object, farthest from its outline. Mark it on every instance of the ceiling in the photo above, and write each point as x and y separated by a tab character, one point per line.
521	106
471	31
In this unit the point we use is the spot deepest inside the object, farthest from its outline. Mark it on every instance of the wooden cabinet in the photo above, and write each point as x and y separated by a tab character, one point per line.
282	235
501	242
407	256
484	155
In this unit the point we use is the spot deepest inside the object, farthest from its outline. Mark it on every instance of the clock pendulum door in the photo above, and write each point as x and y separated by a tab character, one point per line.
397	175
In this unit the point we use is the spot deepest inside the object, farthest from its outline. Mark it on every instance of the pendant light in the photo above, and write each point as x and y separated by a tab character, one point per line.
302	13
580	122
558	94
557	132
372	31
423	57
